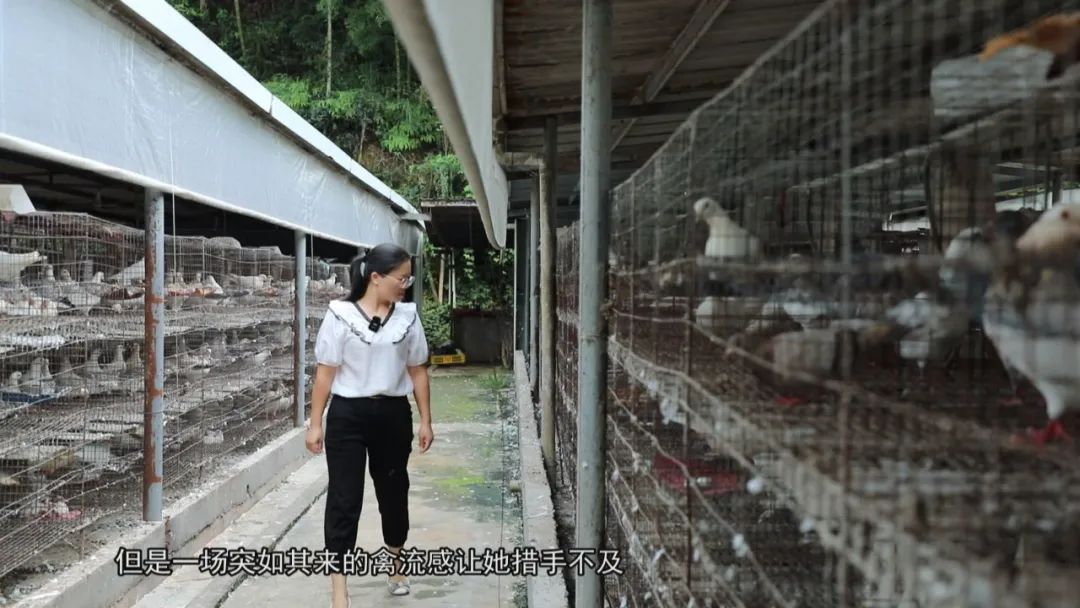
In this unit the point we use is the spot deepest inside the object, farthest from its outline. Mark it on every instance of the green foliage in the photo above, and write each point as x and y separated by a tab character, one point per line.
375	99
438	176
489	278
296	93
408	124
436	320
496	381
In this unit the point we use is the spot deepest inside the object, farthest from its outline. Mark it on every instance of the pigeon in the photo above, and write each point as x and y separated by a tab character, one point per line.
253	283
28	305
219	349
67	379
929	327
210	283
723	315
38	379
188	360
1038	338
47	287
1053	237
91	368
74	295
134	362
12	264
1032	321
727	239
116	367
135	272
967	266
811	351
801	302
14	381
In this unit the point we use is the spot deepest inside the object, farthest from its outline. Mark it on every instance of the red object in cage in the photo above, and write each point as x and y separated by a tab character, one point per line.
712	476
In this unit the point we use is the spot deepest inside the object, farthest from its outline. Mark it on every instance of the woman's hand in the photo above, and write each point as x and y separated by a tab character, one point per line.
426	436
314	439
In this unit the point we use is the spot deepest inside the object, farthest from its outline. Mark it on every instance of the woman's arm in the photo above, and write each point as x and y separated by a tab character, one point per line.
422	391
320	394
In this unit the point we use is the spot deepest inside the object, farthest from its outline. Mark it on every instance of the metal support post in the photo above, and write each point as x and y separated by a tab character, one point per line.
592	273
300	327
154	347
534	286
548	199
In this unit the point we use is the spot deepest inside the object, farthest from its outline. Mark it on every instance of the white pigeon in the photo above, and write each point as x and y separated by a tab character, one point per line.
211	283
50	276
75	295
96	285
254	283
26	304
219	349
43	380
1053	236
727	239
1040	341
723	315
116	367
67	378
134	361
135	272
1034	330
12	264
14	381
967	265
37	342
930	328
92	369
811	351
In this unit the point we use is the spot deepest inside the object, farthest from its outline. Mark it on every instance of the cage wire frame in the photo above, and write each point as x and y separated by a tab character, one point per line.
775	436
71	342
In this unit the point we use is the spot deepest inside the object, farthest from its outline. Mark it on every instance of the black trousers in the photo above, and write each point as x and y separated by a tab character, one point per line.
378	430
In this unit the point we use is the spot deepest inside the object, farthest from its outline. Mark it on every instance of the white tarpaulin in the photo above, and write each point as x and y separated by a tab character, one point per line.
452	47
81	86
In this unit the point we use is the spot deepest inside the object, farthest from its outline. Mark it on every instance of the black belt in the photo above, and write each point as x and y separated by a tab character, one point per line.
373	397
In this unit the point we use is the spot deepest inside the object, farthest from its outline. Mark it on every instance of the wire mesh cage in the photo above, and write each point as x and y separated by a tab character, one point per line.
842	333
72	357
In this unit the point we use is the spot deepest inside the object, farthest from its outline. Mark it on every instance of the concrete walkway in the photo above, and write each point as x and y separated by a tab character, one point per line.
459	499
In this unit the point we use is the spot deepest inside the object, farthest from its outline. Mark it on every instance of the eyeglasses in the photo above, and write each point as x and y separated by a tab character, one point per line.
406	282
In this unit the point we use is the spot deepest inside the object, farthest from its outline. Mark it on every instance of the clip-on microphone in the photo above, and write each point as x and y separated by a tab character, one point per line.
375	324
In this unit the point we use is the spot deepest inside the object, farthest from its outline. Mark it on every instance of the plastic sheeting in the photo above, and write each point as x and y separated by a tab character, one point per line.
452	47
82	87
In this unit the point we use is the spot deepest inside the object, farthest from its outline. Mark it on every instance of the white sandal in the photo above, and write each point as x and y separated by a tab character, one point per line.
398	587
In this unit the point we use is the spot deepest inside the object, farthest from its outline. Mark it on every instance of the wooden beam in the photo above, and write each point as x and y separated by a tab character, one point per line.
705	13
668	108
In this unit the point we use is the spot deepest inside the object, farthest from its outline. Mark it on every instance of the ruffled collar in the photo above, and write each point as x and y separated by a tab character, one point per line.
394	330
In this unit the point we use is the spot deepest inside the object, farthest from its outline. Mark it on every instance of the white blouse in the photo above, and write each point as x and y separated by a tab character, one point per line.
371	363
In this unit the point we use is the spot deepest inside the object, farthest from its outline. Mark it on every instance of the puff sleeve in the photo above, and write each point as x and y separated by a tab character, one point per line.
418	346
330	341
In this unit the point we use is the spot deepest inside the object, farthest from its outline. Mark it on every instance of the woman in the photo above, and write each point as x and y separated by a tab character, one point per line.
371	353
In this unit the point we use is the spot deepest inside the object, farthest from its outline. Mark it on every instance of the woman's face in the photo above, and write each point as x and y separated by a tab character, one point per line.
393	286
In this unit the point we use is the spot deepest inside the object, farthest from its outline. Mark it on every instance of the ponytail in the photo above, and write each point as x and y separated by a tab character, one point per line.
358	278
382	259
